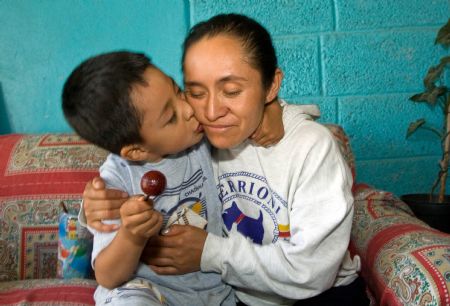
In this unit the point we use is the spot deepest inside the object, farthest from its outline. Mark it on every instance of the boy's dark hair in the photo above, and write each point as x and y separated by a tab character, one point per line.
97	102
255	40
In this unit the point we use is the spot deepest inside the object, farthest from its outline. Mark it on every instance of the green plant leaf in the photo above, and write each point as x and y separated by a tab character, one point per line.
443	36
429	97
433	74
413	126
445	60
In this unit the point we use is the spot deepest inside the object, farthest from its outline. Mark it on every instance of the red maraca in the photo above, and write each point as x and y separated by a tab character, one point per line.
153	183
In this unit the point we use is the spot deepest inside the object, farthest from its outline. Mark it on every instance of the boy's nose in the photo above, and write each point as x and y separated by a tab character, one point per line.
188	111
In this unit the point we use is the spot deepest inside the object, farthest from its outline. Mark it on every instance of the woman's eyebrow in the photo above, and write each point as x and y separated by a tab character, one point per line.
228	78
192	83
231	78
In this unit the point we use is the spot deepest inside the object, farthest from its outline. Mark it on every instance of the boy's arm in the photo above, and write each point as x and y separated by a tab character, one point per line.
116	263
271	129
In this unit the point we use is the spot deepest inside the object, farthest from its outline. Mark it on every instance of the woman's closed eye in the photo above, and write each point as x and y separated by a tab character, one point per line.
195	94
232	93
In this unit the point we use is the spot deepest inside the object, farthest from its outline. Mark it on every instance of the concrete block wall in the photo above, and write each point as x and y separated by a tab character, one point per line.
42	41
360	60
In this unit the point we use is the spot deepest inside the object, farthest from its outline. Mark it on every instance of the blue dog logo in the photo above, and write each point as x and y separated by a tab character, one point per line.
249	227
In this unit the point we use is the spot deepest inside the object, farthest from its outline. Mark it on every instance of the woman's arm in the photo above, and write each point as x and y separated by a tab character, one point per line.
320	224
100	203
179	251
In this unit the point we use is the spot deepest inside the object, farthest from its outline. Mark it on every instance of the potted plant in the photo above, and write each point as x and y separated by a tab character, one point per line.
434	208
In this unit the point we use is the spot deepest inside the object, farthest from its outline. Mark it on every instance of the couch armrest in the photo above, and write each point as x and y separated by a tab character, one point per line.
404	261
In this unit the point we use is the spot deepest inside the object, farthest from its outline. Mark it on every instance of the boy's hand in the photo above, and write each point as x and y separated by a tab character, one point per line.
100	203
139	220
270	130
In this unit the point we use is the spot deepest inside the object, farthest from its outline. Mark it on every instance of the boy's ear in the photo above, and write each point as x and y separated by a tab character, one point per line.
133	152
272	93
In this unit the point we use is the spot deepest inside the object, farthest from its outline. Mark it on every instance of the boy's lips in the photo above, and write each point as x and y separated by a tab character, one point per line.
199	128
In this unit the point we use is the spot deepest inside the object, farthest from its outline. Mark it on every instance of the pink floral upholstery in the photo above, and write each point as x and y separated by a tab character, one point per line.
37	172
404	261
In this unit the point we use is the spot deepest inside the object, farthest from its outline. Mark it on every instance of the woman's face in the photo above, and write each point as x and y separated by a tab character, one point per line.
225	92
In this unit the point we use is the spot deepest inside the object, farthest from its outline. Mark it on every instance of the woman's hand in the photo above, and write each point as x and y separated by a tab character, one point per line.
100	203
178	251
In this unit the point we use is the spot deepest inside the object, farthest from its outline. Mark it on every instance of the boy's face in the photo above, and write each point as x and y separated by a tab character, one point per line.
168	122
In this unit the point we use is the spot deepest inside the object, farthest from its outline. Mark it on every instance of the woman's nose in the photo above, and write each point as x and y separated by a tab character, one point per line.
214	109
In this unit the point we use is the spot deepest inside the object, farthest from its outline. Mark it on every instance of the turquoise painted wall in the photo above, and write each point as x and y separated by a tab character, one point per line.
42	41
359	60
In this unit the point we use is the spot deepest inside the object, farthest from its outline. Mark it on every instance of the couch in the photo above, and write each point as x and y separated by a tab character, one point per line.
404	261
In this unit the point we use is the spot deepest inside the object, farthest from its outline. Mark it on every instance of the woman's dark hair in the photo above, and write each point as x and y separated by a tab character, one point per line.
255	40
96	99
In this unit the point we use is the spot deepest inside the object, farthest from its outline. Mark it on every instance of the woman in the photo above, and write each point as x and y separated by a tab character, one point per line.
288	208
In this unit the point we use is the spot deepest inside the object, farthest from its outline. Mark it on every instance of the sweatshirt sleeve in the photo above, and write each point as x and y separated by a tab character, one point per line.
320	223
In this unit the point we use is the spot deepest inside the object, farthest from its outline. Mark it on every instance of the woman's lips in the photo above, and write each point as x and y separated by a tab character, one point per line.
217	128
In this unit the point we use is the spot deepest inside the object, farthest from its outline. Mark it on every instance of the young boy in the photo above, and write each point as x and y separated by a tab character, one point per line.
122	103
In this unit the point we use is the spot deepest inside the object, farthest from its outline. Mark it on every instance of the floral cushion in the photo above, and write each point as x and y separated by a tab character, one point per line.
37	172
404	261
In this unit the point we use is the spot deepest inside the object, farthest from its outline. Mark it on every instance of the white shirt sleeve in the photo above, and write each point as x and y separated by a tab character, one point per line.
114	177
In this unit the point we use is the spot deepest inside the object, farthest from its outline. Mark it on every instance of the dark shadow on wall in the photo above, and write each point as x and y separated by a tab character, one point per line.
5	126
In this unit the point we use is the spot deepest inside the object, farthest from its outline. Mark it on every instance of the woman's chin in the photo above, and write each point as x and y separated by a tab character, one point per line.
224	142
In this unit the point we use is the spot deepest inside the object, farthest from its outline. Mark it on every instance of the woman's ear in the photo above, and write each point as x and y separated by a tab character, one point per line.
272	94
133	152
